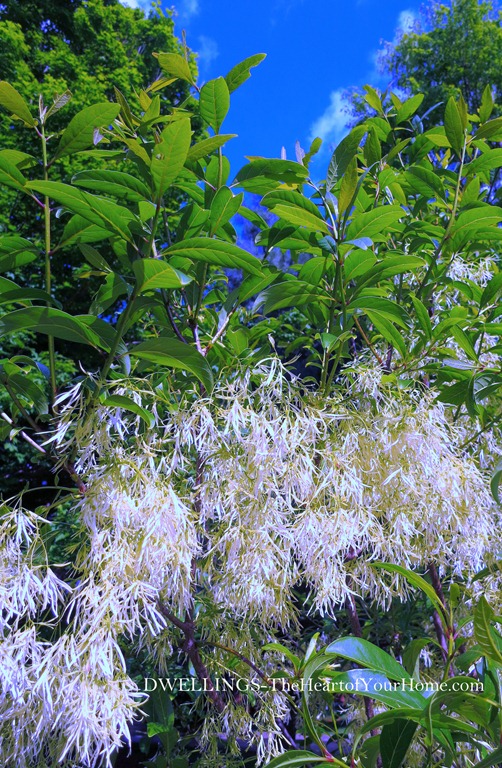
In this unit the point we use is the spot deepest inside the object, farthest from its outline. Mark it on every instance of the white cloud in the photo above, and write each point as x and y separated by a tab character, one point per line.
143	4
406	22
331	126
207	50
186	9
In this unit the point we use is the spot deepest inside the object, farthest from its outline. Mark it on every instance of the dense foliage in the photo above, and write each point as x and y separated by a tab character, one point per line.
219	503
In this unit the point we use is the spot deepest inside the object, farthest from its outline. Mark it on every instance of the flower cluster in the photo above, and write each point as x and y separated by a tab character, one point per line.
230	501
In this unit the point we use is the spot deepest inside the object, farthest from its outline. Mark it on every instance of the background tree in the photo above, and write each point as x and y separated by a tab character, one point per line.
453	48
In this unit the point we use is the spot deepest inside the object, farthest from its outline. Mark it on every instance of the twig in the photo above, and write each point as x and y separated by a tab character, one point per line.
191	648
23	434
368	342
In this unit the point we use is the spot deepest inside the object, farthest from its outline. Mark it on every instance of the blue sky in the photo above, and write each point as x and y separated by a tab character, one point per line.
315	50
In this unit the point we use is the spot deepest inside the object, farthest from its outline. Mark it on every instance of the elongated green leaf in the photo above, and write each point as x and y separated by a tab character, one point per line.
388	331
495	482
300	758
489	129
116	183
79	133
216	252
169	156
422	316
80	230
26	296
416	581
175	354
424	181
384	307
99	211
176	66
285	171
486	637
206	146
343	155
367	682
154	273
241	72
12	261
491	291
493	759
453	126
373	222
395	740
111	289
485	162
127	404
470	222
214	102
52	322
14	103
348	187
292	293
11	176
301	218
224	205
409	108
367	655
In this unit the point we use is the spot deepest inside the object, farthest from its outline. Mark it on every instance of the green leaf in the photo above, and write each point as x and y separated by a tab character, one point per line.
453	126
175	354
80	230
395	741
385	308
302	218
343	155
487	104
127	404
469	222
373	222
25	296
284	171
496	481
292	293
241	72
491	291
485	162
52	322
300	758
216	252
486	637
214	102
116	183
169	156
422	316
79	133
370	683
367	655
176	66
154	273
223	206
108	293
493	759
98	210
14	103
11	176
206	146
15	252
416	581
409	108
348	187
388	331
491	128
